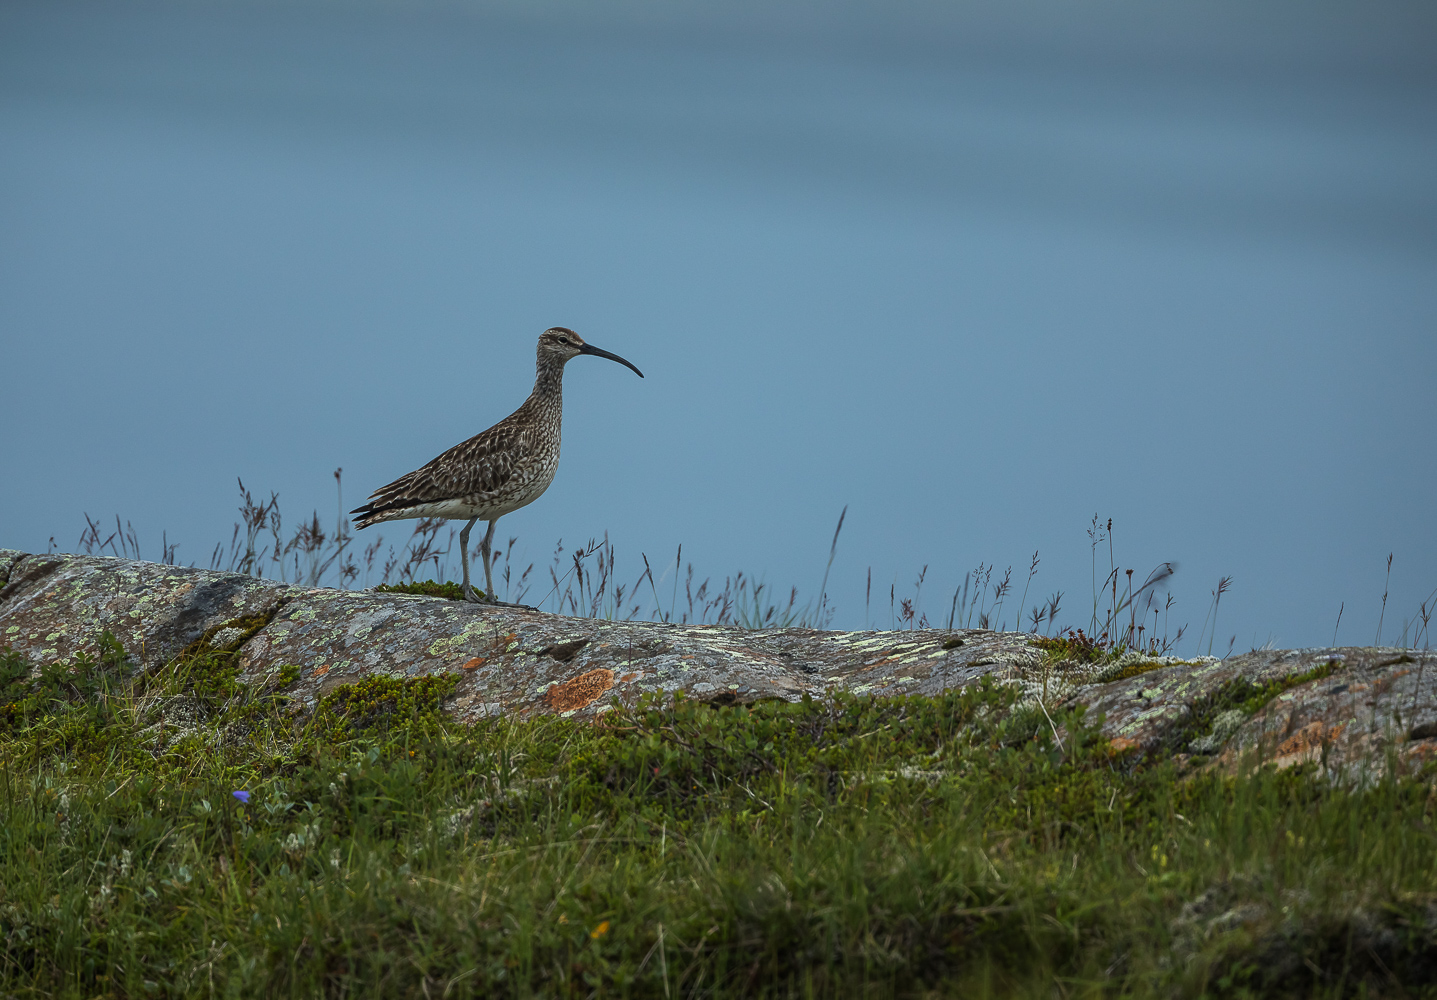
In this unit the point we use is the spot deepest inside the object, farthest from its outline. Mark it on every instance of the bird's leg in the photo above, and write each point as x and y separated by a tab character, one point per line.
488	572
469	594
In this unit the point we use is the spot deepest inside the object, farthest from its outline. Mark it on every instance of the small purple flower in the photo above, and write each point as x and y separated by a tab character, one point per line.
242	796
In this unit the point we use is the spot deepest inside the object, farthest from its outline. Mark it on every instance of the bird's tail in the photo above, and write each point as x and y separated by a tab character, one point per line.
387	503
365	516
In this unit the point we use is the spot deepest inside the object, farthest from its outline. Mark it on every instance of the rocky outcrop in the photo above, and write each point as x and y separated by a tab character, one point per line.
55	606
8	558
1374	701
1339	706
1344	708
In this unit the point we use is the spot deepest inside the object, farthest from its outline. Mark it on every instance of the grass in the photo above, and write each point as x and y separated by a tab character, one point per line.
585	581
869	847
906	847
1124	616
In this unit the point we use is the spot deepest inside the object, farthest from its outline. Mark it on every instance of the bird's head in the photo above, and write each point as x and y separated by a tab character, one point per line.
559	344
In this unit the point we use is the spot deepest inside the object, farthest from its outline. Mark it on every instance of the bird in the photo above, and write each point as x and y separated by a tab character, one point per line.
496	471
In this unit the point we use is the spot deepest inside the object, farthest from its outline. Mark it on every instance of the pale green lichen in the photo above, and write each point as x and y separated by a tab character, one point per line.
1224	724
1213	718
1048	680
473	634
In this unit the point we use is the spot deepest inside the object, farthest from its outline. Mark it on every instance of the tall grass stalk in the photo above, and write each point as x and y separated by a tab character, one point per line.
585	582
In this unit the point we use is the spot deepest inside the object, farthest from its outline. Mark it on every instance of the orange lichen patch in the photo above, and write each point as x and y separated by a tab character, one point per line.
1306	744
580	691
1382	684
321	670
1420	752
1122	743
478	661
627	677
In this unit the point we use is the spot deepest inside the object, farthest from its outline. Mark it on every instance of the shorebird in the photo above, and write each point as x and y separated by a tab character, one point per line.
496	471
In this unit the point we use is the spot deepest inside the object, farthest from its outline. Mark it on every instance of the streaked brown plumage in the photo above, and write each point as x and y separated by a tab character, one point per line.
496	471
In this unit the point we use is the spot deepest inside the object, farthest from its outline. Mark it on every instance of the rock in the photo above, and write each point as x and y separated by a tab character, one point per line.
1340	707
8	558
1154	710
1345	721
1223	726
53	607
510	660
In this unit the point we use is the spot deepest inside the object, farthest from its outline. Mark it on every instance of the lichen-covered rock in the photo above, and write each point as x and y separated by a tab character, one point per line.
1346	721
514	660
1053	681
1340	707
56	606
8	558
1153	710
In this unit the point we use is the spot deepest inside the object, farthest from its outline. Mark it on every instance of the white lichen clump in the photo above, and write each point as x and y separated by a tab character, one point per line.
1053	681
225	637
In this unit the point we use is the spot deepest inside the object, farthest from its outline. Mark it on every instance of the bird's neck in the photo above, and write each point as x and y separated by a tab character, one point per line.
549	383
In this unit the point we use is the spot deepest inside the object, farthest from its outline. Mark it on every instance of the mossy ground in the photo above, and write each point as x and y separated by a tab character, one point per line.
907	847
426	588
1241	696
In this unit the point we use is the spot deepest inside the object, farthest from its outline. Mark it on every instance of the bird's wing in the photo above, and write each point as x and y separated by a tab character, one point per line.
479	467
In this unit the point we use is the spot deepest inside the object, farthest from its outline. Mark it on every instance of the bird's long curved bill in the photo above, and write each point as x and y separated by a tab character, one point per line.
591	349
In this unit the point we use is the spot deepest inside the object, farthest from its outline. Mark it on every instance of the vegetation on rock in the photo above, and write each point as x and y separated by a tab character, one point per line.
425	588
177	833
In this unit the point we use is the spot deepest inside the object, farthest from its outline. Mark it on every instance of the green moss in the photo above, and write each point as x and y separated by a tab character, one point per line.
65	710
208	668
381	705
85	682
229	636
1138	669
1087	660
426	588
1077	646
1239	695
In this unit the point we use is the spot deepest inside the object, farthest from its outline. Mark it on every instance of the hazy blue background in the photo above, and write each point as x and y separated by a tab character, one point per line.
977	271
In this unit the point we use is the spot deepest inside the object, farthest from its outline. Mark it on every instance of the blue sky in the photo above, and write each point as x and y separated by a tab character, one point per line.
975	272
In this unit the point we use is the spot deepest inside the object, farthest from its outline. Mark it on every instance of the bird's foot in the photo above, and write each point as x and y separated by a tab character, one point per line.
479	597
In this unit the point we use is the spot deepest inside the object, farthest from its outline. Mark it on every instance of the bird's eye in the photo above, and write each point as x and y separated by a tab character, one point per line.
563	340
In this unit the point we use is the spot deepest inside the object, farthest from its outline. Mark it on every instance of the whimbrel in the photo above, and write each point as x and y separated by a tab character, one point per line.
496	471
